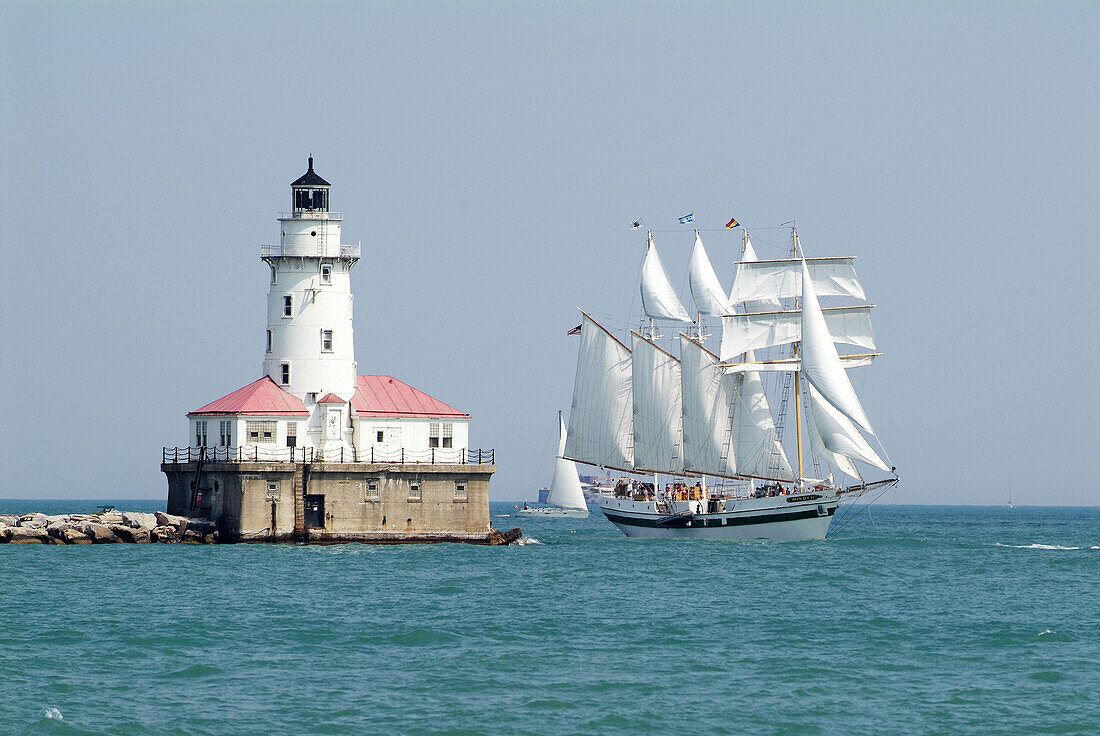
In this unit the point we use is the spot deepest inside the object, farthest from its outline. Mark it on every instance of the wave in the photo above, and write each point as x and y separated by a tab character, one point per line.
1037	546
528	540
52	714
195	670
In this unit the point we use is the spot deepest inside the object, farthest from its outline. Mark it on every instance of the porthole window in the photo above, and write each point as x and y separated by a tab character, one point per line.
313	233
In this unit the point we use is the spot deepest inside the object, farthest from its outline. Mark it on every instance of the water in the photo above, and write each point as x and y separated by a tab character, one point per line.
927	620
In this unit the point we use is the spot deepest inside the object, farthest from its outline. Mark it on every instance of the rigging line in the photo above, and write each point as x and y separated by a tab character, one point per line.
637	290
854	514
878	441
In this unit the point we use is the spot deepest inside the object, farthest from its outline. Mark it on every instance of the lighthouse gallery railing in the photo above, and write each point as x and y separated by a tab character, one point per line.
262	454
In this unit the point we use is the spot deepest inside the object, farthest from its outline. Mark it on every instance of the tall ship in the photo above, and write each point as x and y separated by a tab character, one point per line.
689	418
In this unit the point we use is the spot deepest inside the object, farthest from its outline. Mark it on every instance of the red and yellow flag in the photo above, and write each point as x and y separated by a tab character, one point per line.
732	223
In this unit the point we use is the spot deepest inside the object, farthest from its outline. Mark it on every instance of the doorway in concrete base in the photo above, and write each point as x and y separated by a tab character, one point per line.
315	511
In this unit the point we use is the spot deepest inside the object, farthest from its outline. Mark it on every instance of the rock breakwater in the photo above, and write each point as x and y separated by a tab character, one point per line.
106	527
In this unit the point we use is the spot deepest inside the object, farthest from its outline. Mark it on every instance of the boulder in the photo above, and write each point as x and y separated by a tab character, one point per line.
9	520
180	522
56	518
56	528
100	534
509	537
130	534
29	535
71	535
77	519
110	517
5	533
165	534
138	520
33	521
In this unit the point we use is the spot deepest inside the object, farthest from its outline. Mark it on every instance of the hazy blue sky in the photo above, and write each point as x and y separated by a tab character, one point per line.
491	156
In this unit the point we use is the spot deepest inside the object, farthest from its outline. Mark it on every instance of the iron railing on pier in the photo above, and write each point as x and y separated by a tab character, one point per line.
265	454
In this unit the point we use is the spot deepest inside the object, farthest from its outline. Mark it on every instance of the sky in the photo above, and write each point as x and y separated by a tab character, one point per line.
491	157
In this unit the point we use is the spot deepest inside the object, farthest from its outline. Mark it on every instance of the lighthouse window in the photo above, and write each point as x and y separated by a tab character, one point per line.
372	489
288	306
461	494
326	274
326	341
292	434
414	490
225	432
273	275
440	435
286	373
200	433
260	433
269	341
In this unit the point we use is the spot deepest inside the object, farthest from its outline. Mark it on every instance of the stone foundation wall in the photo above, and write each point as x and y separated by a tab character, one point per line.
361	501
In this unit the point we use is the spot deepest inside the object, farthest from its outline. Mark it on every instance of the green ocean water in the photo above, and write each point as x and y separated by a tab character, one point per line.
910	620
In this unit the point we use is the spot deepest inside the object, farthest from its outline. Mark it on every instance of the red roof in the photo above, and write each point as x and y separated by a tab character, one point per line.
331	399
259	397
384	396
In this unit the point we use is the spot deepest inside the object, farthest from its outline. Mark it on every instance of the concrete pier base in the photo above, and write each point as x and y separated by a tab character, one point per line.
327	503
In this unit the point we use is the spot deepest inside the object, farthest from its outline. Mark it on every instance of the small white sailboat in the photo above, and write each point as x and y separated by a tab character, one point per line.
566	495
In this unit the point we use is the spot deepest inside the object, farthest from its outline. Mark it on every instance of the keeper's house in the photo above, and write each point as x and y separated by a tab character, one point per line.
312	450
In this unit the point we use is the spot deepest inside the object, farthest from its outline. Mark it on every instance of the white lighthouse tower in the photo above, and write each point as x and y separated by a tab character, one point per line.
310	349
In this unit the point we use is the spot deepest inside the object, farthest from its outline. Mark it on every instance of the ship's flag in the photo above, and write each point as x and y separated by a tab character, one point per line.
732	223
637	224
576	330
689	217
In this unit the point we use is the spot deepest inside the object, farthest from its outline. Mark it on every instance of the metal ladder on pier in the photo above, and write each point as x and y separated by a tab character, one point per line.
300	499
195	490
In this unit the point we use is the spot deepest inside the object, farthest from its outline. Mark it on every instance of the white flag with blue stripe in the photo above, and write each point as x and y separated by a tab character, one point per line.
689	217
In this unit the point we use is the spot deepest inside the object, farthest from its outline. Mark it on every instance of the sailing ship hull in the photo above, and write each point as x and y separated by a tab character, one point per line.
786	518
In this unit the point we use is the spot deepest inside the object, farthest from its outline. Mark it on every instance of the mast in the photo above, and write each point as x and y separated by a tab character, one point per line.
744	249
797	382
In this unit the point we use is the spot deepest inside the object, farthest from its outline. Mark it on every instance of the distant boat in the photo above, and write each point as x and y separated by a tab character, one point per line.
642	410
566	497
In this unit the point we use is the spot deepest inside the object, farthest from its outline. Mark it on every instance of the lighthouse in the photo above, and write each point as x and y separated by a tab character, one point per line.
309	344
312	450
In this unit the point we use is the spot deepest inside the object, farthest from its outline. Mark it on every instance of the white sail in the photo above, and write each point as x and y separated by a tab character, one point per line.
820	362
756	445
600	421
706	289
782	278
839	436
758	305
659	299
754	331
708	395
565	488
841	463
658	425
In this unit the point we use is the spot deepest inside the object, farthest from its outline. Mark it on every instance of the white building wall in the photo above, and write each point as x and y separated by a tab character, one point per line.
411	434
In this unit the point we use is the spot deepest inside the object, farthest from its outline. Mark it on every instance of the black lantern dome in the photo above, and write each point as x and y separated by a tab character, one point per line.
310	191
